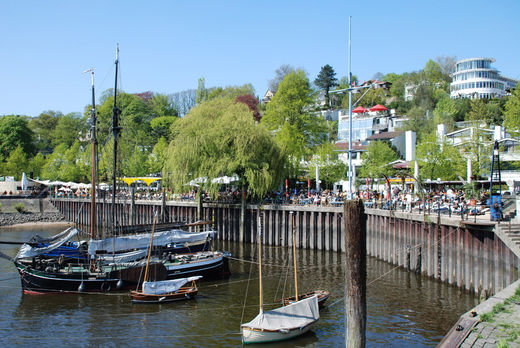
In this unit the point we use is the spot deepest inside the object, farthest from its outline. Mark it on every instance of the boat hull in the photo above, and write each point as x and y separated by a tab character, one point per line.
185	293
265	336
212	267
34	281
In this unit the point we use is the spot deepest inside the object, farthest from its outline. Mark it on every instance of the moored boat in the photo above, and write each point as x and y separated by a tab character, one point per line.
166	291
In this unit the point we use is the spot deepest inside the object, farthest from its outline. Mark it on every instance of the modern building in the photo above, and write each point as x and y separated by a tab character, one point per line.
476	78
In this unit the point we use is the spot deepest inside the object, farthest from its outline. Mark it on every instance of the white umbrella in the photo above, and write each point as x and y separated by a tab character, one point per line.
24	181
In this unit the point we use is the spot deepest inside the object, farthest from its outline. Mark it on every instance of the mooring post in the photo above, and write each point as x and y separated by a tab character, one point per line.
354	224
163	206
132	206
242	227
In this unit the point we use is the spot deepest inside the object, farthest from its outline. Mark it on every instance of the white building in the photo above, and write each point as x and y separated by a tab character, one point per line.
476	78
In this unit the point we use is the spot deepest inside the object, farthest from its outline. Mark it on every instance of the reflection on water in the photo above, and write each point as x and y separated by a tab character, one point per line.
404	309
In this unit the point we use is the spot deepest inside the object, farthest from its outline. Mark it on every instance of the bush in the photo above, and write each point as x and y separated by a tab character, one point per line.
19	207
0	207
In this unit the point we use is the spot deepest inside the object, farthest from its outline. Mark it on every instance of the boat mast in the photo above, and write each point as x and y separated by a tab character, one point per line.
115	132
260	261
93	121
149	251
294	256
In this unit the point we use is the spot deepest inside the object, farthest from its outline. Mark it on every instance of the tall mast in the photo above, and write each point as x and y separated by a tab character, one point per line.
260	260
294	256
93	121
115	132
350	167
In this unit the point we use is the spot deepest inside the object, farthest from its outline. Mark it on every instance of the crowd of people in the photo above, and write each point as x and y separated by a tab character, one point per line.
436	201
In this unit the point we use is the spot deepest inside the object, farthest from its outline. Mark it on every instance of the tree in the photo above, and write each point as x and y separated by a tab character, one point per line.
43	127
326	80
183	101
161	126
161	106
252	103
479	112
68	129
230	91
512	110
16	163
202	92
288	116
233	144
419	121
439	161
279	76
14	132
331	168
376	159
157	158
36	165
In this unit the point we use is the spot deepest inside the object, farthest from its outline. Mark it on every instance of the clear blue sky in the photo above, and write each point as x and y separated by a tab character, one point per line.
166	46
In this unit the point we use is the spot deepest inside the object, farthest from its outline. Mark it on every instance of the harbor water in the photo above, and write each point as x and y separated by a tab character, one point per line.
404	309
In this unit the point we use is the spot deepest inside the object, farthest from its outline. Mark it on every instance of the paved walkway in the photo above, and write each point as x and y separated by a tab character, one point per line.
481	328
503	328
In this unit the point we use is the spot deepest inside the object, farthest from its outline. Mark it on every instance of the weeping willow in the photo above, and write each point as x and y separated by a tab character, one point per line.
220	138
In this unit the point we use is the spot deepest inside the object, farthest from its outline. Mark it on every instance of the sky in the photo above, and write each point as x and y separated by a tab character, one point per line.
166	46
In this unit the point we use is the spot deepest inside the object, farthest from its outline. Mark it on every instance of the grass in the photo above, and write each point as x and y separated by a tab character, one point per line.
20	207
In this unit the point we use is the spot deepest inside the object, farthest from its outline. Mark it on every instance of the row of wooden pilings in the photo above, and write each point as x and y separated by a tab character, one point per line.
468	255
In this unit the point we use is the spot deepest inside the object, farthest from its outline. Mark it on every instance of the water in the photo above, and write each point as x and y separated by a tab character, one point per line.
404	309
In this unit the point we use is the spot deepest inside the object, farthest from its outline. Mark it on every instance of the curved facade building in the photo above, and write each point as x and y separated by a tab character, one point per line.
476	78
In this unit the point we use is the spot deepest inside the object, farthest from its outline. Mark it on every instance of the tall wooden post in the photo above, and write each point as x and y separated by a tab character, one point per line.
242	227
132	206
354	222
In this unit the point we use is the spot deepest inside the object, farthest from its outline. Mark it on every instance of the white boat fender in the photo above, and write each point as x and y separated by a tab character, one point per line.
119	284
81	287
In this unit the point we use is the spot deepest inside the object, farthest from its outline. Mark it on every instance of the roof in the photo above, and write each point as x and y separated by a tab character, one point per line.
385	135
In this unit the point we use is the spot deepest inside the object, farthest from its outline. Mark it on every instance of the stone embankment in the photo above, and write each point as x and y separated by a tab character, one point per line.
9	219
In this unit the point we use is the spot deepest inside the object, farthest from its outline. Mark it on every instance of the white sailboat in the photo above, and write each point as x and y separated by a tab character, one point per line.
281	323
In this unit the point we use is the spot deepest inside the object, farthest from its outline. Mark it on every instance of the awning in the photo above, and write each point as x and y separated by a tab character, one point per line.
147	180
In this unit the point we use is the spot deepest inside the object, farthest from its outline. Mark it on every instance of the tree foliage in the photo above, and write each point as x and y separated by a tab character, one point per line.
376	159
331	168
439	160
14	132
279	76
220	137
288	115
17	162
512	110
326	80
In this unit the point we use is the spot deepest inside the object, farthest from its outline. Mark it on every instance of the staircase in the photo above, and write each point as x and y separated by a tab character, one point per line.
509	233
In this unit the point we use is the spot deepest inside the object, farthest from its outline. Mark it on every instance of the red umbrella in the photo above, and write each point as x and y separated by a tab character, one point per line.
359	110
378	107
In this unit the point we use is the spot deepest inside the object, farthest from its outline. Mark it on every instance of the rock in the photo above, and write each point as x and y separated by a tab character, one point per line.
8	219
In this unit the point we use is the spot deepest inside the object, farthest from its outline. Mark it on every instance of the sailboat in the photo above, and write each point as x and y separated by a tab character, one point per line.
282	323
166	290
322	295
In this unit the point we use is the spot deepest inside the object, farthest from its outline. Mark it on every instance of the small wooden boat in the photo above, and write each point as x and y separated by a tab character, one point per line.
323	296
166	291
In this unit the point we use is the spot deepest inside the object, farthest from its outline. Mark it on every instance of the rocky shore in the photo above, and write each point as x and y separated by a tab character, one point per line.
9	219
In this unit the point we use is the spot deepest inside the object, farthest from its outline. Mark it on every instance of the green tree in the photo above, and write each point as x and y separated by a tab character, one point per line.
376	159
136	163
157	158
231	91
331	168
14	132
36	165
419	121
234	144
202	92
288	116
512	111
68	129
43	127
326	80
479	112
162	107
439	161
161	126
17	163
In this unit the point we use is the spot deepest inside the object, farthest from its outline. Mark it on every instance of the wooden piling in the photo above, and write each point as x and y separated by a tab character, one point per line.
355	273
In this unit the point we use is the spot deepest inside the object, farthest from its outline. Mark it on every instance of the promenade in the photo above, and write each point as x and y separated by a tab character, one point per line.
493	323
